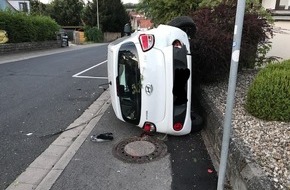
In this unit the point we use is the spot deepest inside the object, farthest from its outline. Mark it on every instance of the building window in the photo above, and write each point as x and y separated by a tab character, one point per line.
282	5
23	7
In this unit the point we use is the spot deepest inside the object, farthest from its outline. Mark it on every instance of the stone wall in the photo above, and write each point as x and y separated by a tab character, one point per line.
241	172
111	36
27	46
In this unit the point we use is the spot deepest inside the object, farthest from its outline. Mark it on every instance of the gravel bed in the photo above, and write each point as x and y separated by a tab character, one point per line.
265	142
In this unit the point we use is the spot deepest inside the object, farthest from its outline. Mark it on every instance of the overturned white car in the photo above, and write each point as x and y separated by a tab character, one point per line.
149	74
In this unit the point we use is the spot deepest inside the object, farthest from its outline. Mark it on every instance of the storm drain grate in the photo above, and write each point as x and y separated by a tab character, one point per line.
140	149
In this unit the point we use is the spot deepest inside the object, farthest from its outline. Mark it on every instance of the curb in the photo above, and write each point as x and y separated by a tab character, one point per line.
45	169
243	173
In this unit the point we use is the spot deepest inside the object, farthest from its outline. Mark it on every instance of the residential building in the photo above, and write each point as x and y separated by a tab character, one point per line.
17	5
139	21
280	9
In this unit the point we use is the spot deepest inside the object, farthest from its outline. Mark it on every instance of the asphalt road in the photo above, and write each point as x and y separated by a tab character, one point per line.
186	166
44	95
41	96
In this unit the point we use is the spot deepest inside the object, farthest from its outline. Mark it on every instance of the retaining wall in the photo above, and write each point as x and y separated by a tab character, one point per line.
243	174
27	46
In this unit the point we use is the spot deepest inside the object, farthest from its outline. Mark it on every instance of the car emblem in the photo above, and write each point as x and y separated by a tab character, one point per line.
148	89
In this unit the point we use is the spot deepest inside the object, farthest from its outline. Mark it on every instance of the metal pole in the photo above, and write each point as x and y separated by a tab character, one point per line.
231	91
98	21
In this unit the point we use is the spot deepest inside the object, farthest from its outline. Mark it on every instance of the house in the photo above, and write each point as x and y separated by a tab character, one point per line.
17	5
280	9
139	21
145	24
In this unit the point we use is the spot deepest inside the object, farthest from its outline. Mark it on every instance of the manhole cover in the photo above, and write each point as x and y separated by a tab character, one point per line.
140	149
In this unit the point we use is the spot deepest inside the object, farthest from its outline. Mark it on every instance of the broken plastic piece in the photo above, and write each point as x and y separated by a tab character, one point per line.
102	137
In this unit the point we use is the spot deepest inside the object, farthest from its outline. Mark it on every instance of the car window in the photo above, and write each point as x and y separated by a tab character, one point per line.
129	83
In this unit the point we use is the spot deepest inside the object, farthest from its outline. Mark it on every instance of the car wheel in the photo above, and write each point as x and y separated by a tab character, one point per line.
196	122
185	23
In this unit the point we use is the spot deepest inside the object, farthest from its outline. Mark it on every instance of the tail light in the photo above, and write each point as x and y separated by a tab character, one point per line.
146	41
177	126
149	127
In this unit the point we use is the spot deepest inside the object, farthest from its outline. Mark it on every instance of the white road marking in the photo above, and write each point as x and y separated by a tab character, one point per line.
78	75
89	77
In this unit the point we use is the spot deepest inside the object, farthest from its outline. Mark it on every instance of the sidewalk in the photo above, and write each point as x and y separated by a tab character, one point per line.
28	55
74	162
95	167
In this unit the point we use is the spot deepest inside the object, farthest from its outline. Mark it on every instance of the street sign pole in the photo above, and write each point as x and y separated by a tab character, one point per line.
98	18
231	91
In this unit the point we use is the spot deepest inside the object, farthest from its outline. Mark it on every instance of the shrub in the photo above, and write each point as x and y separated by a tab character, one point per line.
17	26
93	34
212	46
269	95
27	28
45	28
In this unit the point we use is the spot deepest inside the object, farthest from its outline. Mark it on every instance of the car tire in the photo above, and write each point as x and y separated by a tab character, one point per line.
196	122
185	23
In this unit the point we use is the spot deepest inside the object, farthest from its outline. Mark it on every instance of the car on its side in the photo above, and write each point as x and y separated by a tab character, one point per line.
149	73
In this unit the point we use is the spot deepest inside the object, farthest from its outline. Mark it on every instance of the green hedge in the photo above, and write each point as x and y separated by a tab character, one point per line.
269	95
93	34
27	28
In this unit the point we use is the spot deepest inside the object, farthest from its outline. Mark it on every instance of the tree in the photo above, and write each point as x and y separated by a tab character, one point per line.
112	15
130	6
67	12
213	3
90	12
38	8
211	47
162	11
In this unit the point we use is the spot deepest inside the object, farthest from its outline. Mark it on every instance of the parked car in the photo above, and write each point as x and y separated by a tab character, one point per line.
149	73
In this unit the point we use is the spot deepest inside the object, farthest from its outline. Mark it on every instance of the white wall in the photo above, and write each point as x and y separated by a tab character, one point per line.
269	4
281	40
15	4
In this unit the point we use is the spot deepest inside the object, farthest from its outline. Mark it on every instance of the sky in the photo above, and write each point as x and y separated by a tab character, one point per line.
124	1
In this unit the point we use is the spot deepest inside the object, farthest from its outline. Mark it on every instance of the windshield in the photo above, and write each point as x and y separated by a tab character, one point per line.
129	83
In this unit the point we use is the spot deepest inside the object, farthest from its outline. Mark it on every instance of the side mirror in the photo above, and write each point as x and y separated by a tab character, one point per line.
127	29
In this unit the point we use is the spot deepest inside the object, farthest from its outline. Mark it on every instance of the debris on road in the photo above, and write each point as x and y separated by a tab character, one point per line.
102	137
